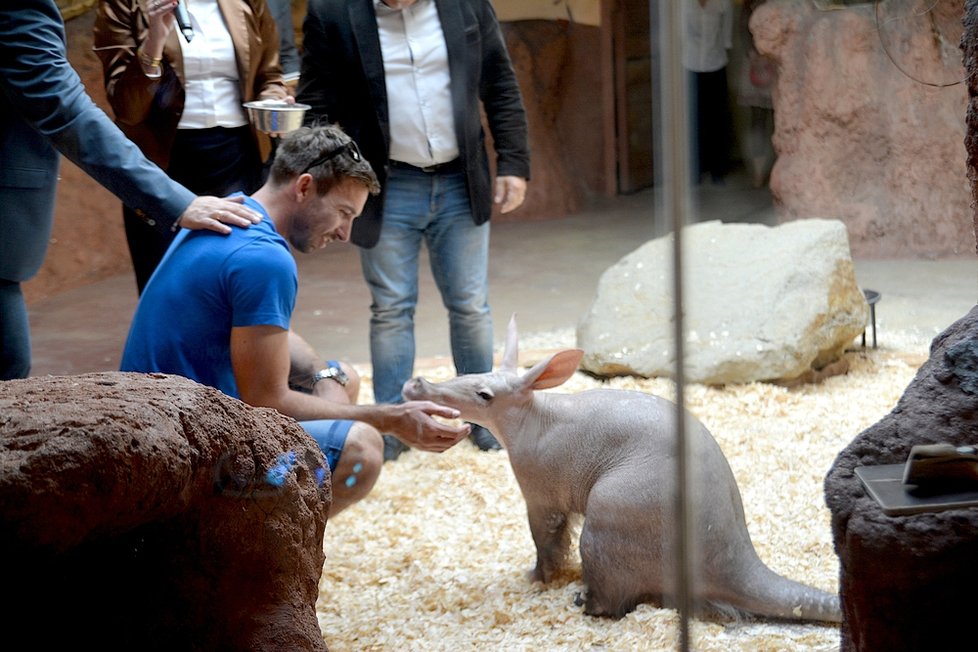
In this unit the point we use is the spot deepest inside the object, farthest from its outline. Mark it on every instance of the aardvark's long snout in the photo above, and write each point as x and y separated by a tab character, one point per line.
416	389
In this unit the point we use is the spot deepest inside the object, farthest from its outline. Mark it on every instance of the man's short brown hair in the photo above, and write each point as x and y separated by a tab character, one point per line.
325	152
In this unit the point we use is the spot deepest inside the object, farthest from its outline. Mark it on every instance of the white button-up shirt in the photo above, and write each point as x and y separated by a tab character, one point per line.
210	71
419	97
709	34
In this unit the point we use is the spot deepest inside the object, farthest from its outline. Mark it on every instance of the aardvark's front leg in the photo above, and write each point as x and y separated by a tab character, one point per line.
552	538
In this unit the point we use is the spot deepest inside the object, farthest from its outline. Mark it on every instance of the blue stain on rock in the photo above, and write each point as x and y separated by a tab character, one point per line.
276	475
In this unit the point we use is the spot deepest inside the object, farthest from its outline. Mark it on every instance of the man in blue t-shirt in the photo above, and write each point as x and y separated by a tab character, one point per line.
217	310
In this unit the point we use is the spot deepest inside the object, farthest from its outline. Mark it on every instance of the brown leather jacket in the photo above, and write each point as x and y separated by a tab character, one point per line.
148	109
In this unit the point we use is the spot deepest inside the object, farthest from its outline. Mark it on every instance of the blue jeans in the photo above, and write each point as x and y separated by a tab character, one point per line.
331	435
433	209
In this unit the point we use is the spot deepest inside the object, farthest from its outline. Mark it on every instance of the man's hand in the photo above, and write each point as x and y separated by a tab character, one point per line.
412	423
510	192
215	214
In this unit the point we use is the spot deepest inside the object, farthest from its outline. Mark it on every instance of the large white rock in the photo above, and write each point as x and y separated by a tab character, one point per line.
761	303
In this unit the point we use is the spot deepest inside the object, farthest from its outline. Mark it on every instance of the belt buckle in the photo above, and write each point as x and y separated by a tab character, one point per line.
430	169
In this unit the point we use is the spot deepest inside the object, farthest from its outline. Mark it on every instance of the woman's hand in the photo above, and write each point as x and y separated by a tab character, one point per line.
161	20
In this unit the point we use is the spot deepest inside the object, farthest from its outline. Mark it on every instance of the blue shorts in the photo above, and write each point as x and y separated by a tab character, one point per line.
331	435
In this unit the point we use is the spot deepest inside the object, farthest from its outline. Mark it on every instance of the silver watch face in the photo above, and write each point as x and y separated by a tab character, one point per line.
333	373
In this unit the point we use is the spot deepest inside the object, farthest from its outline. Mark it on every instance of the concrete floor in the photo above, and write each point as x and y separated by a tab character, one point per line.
545	271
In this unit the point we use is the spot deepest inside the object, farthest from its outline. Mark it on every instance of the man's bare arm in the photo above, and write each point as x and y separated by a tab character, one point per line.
260	358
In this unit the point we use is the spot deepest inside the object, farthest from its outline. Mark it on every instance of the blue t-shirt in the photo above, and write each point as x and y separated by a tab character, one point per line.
207	284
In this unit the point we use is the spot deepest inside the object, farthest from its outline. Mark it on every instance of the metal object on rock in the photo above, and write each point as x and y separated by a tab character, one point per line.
934	478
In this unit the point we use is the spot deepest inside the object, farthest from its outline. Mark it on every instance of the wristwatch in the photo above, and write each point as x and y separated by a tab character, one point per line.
333	373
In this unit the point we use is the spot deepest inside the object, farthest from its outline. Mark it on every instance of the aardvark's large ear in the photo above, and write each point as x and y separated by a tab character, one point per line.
512	350
553	371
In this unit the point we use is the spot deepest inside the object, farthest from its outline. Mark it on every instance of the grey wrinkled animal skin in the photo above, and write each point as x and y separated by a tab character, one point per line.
610	455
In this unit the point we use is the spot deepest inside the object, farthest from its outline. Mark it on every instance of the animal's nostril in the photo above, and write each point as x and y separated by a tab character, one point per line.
412	385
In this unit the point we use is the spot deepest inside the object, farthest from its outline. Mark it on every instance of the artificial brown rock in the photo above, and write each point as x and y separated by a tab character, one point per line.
149	512
908	582
868	126
969	44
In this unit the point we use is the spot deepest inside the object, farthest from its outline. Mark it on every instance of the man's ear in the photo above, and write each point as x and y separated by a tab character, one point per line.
304	186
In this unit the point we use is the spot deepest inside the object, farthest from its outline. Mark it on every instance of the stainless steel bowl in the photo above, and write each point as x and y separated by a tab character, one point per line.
276	116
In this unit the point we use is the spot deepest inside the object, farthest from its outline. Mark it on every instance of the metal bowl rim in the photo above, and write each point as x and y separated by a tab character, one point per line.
265	105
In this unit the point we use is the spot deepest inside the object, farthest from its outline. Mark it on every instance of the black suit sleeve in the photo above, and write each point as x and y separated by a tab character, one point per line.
316	79
500	95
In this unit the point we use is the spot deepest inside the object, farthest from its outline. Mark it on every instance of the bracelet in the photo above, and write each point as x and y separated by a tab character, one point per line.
148	61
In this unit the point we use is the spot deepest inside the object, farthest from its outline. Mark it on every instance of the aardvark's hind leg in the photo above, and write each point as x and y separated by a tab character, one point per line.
621	558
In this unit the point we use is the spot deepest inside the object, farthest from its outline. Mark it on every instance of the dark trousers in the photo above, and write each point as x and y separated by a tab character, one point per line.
710	124
15	334
214	161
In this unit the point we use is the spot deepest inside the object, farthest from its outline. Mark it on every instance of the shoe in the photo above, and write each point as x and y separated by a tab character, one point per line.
484	439
393	447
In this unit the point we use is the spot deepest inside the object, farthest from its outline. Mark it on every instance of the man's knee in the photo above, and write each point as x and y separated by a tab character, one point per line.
361	461
365	440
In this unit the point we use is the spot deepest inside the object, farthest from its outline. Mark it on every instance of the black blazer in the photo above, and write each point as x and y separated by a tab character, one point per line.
342	80
44	109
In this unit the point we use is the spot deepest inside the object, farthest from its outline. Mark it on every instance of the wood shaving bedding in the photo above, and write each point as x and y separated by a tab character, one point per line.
435	558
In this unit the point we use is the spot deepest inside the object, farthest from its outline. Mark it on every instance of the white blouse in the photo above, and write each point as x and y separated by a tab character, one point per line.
210	71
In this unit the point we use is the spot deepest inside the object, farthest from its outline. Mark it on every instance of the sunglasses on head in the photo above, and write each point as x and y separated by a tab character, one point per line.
349	147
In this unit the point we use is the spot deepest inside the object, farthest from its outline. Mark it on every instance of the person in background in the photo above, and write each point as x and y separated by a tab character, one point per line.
759	74
44	112
181	101
234	334
406	79
709	34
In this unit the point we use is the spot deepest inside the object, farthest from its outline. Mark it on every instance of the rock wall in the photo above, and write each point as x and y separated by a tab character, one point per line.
860	141
559	75
969	43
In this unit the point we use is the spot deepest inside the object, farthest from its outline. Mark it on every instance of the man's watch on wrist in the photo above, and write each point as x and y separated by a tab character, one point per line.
333	372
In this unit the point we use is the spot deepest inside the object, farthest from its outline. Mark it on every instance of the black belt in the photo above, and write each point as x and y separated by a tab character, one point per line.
455	165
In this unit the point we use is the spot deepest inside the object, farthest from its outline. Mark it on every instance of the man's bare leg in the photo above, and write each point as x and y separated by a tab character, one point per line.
358	467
